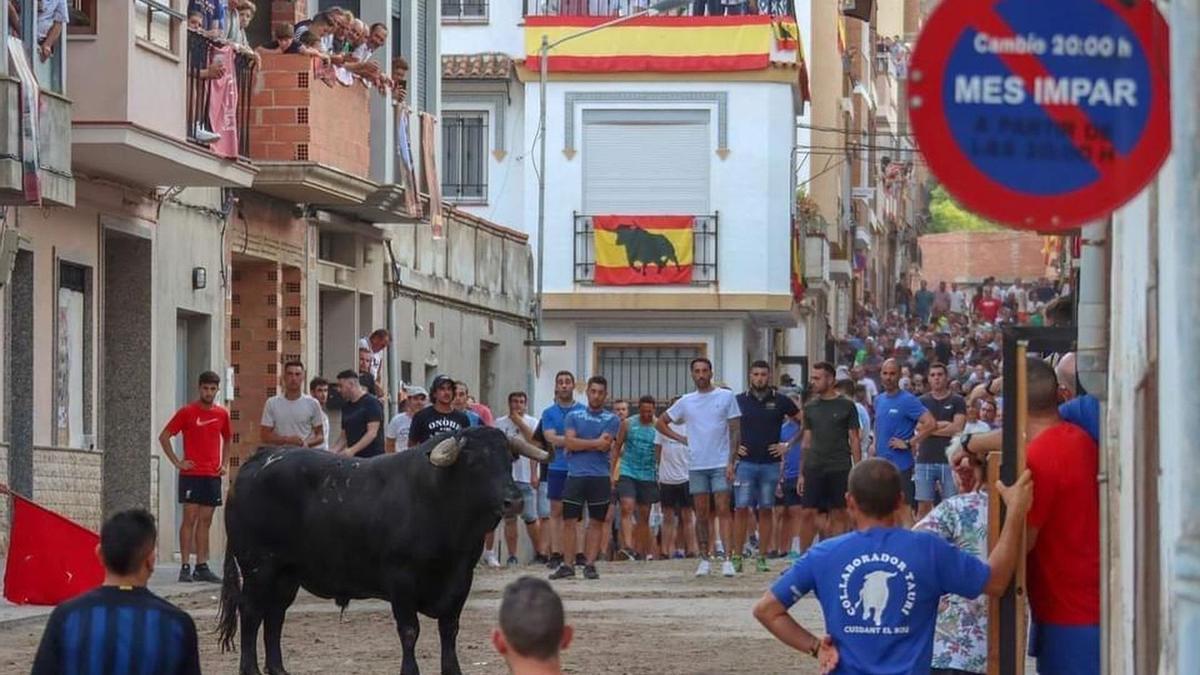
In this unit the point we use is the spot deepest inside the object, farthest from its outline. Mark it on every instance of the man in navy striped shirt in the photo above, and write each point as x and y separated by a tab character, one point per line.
120	627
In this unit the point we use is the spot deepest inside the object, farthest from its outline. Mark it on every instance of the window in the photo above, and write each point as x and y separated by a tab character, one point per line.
464	156
157	22
659	370
83	17
72	424
473	11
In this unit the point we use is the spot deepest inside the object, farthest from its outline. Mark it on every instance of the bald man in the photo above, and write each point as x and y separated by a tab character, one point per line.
899	418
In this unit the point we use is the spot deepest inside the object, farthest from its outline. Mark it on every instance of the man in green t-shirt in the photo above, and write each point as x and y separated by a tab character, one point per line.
831	447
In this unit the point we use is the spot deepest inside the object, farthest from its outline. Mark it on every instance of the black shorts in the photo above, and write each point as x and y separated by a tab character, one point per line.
645	492
591	491
675	495
824	490
202	490
910	487
790	496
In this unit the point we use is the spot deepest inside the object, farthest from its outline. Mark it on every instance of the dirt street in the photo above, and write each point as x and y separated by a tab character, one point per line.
638	618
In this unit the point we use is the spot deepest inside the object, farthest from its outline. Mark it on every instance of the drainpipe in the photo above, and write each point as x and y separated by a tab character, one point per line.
1091	364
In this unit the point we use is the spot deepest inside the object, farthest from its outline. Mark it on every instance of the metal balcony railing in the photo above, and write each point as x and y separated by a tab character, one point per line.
626	7
704	249
200	51
464	11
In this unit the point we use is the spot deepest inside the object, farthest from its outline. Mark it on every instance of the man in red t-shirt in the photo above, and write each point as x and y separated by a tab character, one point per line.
206	436
1063	534
988	307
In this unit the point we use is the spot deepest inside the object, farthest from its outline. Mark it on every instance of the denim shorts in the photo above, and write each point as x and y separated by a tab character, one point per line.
707	481
754	485
529	498
927	475
543	499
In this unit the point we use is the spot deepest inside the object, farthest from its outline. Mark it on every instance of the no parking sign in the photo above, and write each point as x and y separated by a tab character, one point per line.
1042	114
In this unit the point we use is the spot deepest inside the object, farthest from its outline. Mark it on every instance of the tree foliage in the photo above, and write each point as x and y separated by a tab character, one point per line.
946	215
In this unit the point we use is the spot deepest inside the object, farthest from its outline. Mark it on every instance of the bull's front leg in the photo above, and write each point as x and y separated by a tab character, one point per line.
409	628
448	633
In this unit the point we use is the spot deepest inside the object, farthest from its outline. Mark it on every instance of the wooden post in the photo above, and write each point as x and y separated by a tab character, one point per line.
992	475
1022	630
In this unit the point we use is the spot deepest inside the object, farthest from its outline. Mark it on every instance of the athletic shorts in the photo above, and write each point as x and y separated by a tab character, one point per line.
790	496
824	490
754	485
675	495
556	480
543	499
202	490
707	481
529	505
928	477
645	492
590	491
910	487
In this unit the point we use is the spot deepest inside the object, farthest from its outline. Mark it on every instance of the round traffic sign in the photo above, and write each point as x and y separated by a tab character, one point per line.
1042	115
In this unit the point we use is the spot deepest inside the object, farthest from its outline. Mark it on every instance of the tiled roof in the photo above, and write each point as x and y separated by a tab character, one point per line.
476	66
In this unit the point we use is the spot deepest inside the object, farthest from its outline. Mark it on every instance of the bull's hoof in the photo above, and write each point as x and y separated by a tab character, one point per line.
277	671
249	671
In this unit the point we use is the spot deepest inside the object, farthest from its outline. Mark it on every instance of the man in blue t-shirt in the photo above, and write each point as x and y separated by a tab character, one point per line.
589	437
879	585
554	418
899	416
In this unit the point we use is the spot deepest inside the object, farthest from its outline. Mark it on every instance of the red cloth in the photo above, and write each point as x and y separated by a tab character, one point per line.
1064	565
50	558
223	104
203	430
988	308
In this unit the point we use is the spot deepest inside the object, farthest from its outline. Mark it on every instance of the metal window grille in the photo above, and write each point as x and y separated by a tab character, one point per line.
464	156
661	371
464	10
704	249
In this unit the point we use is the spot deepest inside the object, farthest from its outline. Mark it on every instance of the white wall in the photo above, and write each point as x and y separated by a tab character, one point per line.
750	188
505	196
502	33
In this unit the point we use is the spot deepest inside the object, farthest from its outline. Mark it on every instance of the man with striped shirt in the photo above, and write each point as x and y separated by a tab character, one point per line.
121	627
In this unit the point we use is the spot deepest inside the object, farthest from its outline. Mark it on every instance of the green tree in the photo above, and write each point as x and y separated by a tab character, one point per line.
947	216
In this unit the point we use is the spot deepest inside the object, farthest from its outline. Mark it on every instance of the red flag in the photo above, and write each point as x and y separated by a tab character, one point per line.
51	559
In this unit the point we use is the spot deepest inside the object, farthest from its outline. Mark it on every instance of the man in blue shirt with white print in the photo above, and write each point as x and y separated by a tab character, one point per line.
879	585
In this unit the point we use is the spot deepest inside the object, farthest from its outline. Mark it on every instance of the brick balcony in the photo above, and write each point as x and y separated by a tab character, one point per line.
311	141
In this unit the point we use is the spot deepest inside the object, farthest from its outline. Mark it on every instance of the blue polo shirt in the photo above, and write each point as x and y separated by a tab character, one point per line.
791	461
589	425
896	416
761	422
879	593
553	419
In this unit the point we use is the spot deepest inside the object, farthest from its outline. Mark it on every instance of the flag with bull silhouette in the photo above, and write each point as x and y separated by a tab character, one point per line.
643	249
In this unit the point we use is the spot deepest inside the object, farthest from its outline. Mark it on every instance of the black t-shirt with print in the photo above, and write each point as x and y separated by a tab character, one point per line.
429	423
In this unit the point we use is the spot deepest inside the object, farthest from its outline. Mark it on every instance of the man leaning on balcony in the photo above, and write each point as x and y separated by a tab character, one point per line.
52	16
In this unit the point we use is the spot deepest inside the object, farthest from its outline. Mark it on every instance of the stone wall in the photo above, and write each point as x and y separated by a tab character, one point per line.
68	482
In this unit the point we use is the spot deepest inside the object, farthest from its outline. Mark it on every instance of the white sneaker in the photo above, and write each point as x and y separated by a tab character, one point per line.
703	568
491	560
202	135
727	569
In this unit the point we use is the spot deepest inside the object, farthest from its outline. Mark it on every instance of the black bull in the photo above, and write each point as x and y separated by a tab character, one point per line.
646	248
406	528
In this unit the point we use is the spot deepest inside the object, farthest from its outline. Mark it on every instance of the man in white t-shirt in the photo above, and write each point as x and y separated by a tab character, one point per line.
712	417
292	419
524	471
378	342
318	388
395	435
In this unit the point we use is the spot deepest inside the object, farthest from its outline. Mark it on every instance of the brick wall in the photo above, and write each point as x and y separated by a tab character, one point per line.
296	117
973	256
289	11
68	482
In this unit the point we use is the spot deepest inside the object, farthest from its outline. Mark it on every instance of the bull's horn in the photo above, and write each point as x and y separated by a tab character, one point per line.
520	446
446	452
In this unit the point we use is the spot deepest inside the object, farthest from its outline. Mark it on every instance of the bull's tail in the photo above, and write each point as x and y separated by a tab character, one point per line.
231	597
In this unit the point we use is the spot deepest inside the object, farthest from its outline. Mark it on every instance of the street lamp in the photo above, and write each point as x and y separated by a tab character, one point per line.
543	53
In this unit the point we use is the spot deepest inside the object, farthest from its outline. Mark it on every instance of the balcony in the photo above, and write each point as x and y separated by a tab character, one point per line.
703	241
48	111
312	144
141	87
611	8
816	262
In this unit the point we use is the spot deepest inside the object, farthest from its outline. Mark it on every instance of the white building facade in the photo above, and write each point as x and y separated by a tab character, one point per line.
687	138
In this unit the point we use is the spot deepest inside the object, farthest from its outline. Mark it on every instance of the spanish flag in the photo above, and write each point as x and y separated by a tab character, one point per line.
654	43
643	249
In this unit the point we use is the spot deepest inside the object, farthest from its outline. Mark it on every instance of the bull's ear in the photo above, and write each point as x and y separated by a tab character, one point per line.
446	451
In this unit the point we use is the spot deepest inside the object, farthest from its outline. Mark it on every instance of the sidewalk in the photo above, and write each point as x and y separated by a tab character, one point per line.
164	582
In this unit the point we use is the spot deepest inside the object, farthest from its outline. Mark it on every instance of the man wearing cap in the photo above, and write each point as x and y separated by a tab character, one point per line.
439	418
396	434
